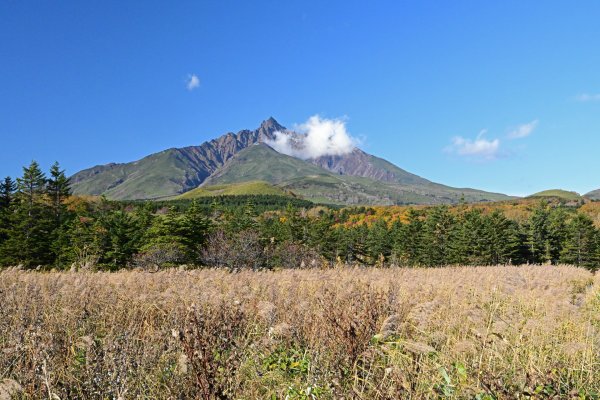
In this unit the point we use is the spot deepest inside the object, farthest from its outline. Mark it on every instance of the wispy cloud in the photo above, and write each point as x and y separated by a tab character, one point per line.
192	82
523	130
586	97
479	148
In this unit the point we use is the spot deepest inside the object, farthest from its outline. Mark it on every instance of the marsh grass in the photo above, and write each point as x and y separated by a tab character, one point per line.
464	332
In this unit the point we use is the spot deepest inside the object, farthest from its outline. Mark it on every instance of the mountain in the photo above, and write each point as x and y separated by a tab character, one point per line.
593	195
353	178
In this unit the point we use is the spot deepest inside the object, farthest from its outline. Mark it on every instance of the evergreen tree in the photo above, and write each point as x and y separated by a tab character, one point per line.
117	238
557	233
439	236
581	245
241	218
538	235
378	241
320	235
30	233
195	229
58	188
501	240
7	190
409	240
469	244
79	243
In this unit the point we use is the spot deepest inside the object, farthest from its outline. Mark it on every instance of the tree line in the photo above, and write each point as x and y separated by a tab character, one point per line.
42	224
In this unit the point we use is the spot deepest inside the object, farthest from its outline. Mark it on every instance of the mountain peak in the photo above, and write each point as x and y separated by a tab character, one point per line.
271	125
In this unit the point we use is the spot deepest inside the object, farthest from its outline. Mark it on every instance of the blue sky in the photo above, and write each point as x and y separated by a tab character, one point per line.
502	96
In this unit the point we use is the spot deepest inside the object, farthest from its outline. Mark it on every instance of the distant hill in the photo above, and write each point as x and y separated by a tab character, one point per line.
558	193
235	189
353	178
593	195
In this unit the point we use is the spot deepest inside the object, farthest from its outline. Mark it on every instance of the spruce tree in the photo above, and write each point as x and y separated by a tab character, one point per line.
7	190
538	235
378	241
195	229
30	234
501	240
468	247
413	247
439	236
581	245
557	233
59	188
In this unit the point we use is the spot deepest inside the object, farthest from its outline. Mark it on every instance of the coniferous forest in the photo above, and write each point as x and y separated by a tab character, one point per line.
43	226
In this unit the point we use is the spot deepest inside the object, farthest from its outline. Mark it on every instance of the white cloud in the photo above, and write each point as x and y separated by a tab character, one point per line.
523	130
318	137
479	148
586	97
192	82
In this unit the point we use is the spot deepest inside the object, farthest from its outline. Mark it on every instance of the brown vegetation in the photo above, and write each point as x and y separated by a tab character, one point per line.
493	332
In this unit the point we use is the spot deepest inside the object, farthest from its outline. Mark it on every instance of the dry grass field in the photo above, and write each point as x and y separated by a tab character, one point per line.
484	333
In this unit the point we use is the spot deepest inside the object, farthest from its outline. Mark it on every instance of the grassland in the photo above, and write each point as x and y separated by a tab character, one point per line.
495	332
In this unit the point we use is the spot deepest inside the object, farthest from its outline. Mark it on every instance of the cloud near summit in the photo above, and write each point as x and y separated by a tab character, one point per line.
318	137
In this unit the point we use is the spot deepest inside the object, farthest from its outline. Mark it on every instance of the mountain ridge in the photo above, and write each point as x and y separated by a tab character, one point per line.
175	171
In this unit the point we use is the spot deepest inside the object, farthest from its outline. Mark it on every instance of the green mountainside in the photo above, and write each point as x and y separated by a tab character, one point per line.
558	193
262	163
235	189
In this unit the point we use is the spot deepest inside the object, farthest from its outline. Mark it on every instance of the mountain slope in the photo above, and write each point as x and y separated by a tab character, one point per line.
359	163
235	189
593	195
171	171
260	162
